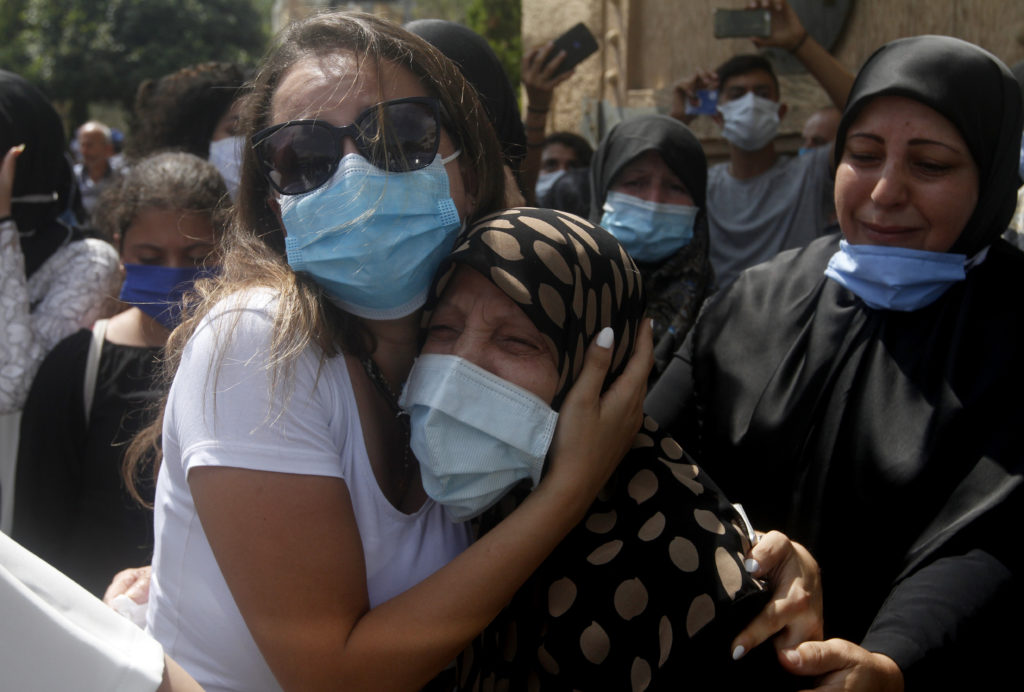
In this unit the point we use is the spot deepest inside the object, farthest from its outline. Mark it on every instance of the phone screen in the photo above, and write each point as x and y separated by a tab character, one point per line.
708	103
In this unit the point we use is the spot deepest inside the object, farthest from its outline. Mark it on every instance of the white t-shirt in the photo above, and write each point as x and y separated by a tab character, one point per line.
220	413
752	220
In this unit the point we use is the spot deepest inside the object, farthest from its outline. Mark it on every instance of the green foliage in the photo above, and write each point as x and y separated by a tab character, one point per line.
82	51
500	22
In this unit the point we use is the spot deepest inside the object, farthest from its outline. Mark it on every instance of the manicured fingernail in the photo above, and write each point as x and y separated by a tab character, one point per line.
751	565
792	655
738	652
20	148
606	338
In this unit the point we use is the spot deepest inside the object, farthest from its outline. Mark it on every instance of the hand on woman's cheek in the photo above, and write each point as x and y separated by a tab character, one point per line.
596	430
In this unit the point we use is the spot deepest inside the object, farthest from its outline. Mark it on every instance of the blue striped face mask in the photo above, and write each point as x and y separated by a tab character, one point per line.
650	231
373	239
475	435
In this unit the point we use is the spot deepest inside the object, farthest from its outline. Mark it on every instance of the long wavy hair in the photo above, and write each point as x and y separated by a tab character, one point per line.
253	252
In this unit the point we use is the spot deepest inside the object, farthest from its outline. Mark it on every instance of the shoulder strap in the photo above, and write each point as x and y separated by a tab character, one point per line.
92	365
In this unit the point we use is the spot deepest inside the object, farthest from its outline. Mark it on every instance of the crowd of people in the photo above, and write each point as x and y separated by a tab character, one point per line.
395	390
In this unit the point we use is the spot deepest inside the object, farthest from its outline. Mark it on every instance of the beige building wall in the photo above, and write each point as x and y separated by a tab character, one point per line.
648	45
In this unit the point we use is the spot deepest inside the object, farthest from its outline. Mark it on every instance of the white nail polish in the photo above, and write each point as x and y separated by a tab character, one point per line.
738	652
606	337
751	565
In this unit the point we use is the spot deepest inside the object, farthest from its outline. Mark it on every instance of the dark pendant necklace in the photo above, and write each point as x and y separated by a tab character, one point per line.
377	377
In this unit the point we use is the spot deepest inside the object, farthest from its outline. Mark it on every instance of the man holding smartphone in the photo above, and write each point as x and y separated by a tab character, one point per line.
760	203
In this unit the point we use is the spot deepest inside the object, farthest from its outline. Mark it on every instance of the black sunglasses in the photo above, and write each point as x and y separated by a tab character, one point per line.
301	155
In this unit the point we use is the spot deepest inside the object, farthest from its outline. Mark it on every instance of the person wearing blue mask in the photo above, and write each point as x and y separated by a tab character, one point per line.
863	394
93	391
295	546
648	179
652	587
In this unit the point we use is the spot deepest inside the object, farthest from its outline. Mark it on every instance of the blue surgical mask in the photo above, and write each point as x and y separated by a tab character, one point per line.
750	122
475	435
545	181
158	291
372	239
897	278
650	231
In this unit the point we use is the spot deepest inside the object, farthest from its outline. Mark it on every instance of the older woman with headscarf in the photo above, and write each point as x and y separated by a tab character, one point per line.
53	280
866	398
648	180
650	588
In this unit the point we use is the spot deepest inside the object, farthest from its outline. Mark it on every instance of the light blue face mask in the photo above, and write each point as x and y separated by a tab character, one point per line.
372	239
545	181
650	231
897	278
474	434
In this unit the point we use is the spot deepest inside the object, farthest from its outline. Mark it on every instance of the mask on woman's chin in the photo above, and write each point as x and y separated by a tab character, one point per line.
897	278
226	157
475	435
751	122
650	231
158	291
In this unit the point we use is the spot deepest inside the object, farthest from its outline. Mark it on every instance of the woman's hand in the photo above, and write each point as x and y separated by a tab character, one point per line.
539	78
795	611
132	582
788	31
7	178
595	431
842	665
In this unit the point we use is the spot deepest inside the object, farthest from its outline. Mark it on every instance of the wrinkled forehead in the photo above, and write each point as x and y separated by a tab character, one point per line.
569	277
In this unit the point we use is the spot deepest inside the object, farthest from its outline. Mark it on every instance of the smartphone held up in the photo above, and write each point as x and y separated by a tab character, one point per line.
578	44
742	23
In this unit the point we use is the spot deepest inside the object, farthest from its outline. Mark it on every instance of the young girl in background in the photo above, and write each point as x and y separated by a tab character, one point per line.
93	391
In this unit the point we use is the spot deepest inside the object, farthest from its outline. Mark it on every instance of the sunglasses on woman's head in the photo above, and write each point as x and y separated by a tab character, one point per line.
301	155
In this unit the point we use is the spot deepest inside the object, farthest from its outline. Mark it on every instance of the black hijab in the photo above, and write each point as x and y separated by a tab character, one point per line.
678	285
26	117
976	92
481	68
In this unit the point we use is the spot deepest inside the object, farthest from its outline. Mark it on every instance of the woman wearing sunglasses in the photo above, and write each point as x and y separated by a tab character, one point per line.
295	545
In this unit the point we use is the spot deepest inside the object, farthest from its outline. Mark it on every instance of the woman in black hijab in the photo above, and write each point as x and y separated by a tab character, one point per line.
868	401
53	281
648	180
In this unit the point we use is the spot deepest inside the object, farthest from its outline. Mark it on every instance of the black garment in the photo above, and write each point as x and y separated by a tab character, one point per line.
886	442
26	117
677	286
71	507
481	67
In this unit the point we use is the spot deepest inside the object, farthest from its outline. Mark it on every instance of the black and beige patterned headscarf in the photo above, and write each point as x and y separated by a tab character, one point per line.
648	590
570	277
